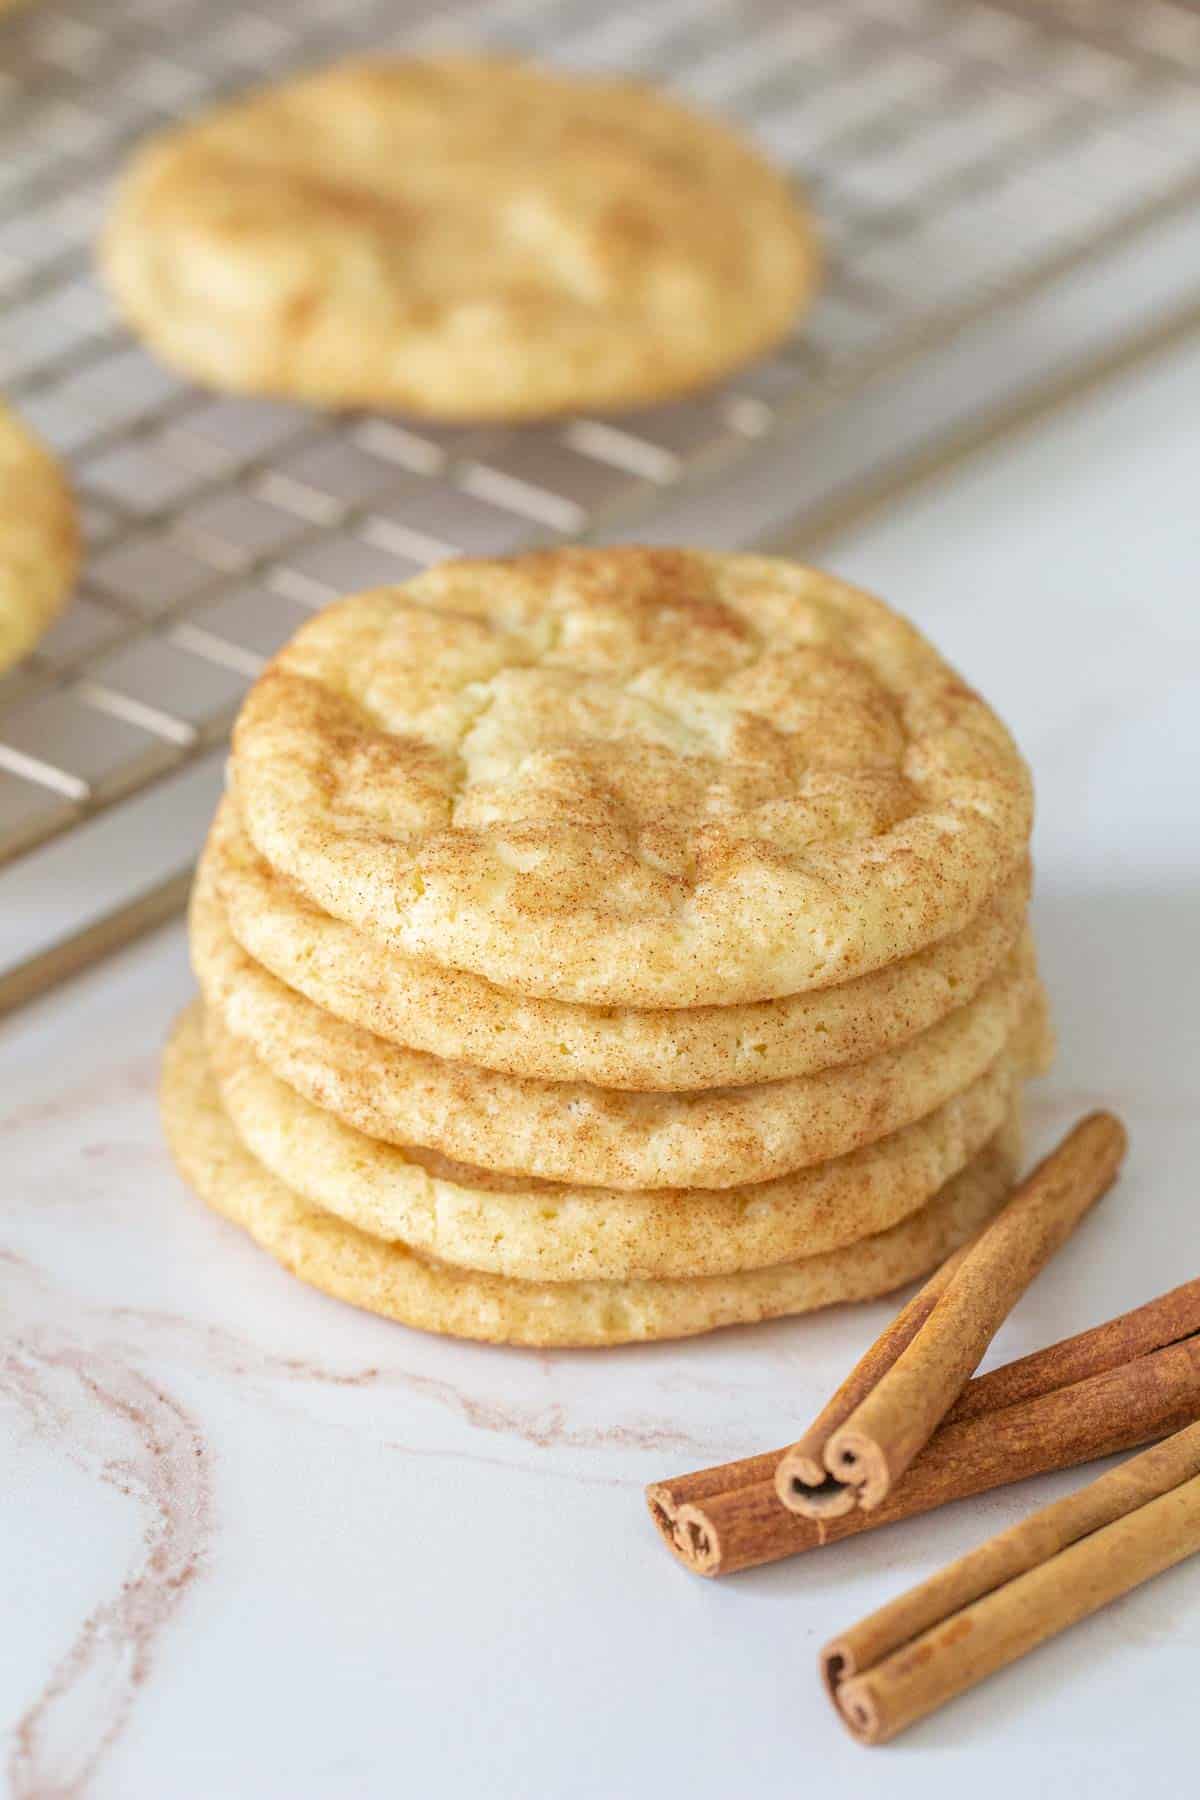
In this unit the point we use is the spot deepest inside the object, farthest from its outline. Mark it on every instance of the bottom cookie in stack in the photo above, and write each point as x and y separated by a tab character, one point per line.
391	1278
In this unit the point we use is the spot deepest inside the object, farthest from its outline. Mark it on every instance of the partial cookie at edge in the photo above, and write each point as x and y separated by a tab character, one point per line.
39	539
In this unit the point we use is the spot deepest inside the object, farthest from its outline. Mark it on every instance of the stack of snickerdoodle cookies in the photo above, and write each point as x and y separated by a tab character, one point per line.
610	944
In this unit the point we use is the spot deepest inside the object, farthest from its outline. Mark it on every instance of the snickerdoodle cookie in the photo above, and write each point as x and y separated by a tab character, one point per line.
459	237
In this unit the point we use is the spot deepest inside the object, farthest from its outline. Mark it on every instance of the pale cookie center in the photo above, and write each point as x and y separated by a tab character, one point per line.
670	734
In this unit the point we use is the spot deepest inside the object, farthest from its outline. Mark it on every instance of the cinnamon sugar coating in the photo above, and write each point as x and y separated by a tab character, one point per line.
460	237
632	777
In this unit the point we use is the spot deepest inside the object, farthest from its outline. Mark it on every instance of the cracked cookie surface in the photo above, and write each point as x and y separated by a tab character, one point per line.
627	777
460	237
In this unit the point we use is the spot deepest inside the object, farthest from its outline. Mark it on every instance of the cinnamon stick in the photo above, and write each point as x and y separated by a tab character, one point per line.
823	1496
1017	1590
1018	1420
888	1408
1172	1316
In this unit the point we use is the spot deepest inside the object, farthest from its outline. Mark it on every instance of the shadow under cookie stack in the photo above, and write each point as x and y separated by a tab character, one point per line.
608	945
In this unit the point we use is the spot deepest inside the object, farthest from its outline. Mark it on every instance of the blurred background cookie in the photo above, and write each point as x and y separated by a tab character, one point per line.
39	545
459	237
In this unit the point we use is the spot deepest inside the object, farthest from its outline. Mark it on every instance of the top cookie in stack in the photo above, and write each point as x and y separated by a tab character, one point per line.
610	944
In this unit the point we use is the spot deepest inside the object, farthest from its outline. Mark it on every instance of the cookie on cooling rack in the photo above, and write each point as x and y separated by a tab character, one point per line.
39	540
459	237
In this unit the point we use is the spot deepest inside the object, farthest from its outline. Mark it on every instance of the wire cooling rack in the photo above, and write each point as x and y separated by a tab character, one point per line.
958	156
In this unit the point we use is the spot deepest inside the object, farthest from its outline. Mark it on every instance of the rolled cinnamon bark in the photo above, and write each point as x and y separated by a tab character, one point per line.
719	1521
1172	1316
1014	1592
811	1489
887	1410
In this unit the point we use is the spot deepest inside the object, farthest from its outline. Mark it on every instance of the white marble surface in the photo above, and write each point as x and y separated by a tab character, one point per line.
254	1544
